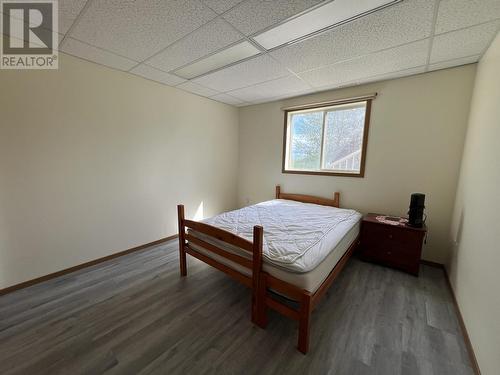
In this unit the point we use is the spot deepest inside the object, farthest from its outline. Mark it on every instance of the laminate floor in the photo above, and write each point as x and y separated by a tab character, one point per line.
134	315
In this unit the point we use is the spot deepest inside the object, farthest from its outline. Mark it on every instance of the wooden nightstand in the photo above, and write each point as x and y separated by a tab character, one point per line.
398	246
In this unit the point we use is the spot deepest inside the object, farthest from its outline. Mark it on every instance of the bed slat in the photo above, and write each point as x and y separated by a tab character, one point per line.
282	309
245	280
220	234
335	202
309	199
214	249
290	290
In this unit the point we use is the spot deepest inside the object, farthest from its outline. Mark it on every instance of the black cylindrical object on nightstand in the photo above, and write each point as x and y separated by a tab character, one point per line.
416	212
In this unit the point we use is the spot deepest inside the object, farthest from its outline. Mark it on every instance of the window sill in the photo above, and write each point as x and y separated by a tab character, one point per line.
324	173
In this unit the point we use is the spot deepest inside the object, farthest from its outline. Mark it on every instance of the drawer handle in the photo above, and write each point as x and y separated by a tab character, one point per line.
390	236
389	252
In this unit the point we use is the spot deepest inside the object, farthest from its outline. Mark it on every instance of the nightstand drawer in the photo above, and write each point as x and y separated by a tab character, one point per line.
394	256
390	238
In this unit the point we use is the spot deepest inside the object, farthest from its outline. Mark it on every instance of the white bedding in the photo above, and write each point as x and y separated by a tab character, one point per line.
297	236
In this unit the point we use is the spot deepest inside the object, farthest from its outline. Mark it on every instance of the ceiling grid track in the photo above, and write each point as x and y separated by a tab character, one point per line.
433	31
75	22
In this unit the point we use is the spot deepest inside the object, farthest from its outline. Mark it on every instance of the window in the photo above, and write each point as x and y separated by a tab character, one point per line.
328	139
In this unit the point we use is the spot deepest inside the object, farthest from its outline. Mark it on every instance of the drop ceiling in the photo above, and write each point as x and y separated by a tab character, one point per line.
161	40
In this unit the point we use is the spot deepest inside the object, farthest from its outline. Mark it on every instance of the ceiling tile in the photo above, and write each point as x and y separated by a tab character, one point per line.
399	24
141	28
457	14
228	99
228	56
207	39
462	43
393	75
271	89
287	96
156	75
375	78
250	72
385	62
254	15
455	62
68	12
197	89
220	6
97	55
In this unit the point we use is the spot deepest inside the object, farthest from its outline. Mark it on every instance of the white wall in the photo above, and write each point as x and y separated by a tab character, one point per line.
93	161
415	145
475	260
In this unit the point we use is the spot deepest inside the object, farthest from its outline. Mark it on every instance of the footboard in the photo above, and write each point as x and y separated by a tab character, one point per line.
254	248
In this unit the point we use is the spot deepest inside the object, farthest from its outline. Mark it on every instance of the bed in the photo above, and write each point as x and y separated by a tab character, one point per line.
288	251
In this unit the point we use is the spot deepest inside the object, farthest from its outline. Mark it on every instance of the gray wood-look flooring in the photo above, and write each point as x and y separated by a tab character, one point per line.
134	315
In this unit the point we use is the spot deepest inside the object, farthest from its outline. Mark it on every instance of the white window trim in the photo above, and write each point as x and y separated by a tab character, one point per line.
325	108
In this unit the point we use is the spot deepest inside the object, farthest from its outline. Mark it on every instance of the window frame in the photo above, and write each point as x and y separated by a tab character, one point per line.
325	106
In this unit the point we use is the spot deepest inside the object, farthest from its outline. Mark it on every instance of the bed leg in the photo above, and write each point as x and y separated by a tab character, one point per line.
260	317
182	240
258	277
304	323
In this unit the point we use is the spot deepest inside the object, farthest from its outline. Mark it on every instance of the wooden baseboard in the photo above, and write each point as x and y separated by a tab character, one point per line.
468	344
465	334
28	283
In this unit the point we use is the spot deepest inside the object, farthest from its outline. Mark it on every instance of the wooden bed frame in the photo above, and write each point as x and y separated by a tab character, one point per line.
260	282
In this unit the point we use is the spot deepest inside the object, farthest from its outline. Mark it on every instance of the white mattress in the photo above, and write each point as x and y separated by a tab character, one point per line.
302	242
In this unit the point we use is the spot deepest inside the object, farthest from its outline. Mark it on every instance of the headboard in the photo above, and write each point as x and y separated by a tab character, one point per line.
335	202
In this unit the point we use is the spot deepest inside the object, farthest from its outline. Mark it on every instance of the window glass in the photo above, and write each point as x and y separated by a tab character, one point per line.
344	139
306	137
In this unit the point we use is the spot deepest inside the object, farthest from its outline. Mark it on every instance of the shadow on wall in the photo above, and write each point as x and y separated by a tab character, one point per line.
456	242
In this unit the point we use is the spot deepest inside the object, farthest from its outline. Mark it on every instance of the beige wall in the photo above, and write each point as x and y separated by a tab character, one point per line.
93	161
474	264
415	145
